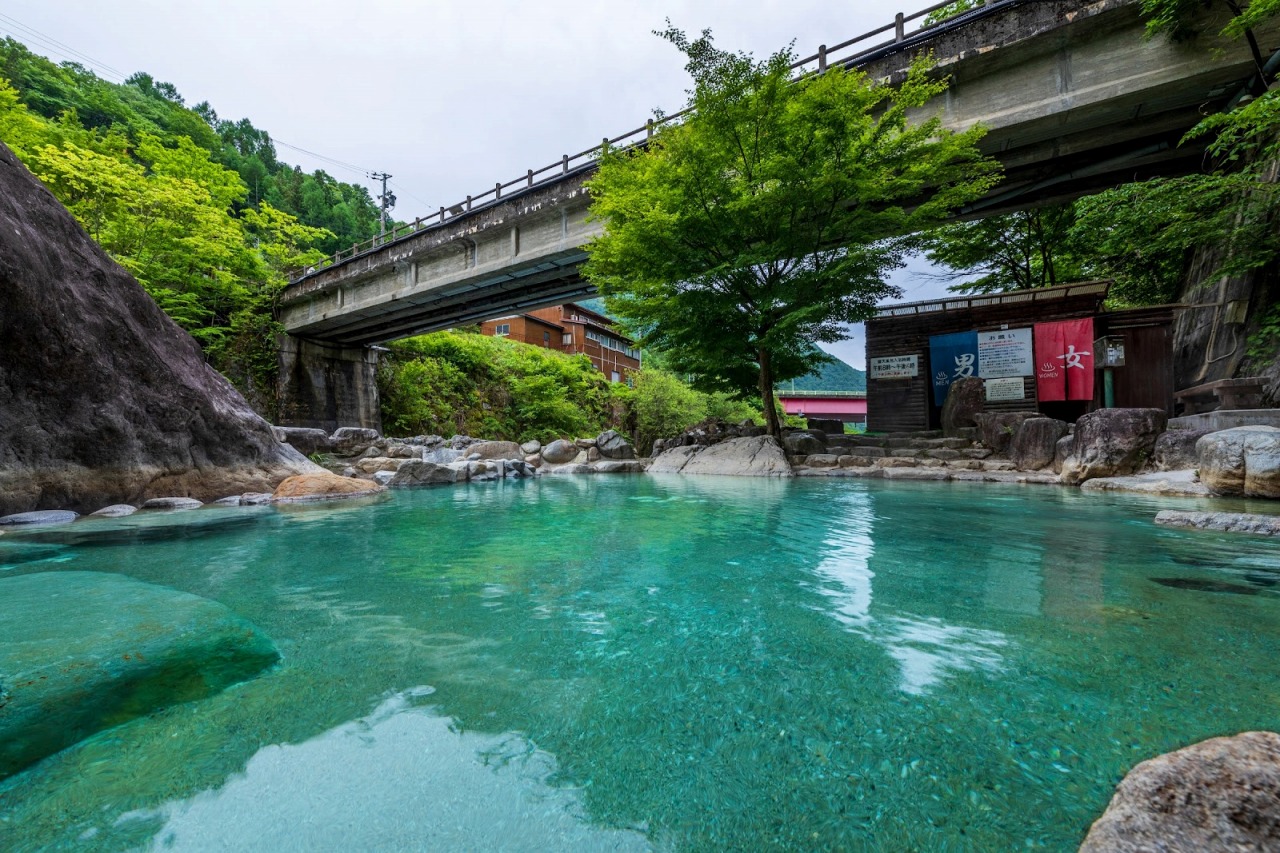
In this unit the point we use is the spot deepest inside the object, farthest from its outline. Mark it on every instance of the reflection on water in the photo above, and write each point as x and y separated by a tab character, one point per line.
398	779
692	663
926	649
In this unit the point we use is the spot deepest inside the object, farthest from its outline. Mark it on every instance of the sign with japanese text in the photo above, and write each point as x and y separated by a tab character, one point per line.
1064	360
895	367
1006	352
1005	388
951	357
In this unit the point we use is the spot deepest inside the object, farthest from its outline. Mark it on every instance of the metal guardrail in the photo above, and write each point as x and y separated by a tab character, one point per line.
570	163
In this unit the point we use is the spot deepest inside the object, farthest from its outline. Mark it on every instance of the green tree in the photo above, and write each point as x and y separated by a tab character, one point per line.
1012	251
768	220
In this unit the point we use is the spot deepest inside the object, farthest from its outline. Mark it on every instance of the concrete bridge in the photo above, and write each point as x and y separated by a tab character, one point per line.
1074	97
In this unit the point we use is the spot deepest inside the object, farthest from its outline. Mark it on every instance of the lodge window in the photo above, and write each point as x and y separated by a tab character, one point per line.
546	339
566	339
502	329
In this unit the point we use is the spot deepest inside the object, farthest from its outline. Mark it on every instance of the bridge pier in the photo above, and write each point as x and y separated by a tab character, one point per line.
326	386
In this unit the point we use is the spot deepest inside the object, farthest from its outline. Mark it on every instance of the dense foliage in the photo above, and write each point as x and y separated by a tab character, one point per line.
769	219
1012	251
198	210
459	382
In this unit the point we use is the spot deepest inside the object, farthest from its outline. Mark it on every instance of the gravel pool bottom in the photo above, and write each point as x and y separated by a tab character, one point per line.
618	663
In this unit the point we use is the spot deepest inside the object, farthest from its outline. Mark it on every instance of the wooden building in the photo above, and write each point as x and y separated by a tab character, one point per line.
901	372
572	328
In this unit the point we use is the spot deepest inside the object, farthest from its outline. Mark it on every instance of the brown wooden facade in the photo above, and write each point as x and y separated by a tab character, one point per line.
573	329
906	405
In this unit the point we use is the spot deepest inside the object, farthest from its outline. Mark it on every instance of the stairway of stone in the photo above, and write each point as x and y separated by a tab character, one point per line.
924	455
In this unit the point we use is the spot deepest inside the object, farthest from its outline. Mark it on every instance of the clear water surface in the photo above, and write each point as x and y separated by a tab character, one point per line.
618	663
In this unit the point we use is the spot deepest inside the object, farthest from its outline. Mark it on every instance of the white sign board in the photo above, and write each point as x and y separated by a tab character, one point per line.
895	367
1006	352
1005	389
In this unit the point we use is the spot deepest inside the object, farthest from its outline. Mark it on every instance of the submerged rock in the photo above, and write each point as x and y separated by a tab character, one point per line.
173	503
106	400
115	511
84	651
1221	794
39	516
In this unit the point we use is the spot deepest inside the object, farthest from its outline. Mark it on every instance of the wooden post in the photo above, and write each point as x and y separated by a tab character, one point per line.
899	28
531	177
822	58
468	202
442	214
648	128
564	164
497	190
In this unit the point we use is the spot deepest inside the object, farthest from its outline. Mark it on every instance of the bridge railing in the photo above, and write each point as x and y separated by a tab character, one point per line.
845	53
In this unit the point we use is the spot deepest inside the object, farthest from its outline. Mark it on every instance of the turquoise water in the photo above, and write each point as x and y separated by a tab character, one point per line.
618	663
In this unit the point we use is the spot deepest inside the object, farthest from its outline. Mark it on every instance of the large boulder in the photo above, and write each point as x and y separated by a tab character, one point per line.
997	429
352	441
304	439
1221	794
805	443
673	460
560	451
1035	443
966	398
1175	449
1231	522
304	488
417	472
1241	461
760	456
104	399
495	450
1113	443
84	651
614	446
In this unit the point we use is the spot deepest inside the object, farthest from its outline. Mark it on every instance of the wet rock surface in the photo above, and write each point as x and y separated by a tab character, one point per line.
1241	461
1229	522
107	400
83	651
1219	795
38	517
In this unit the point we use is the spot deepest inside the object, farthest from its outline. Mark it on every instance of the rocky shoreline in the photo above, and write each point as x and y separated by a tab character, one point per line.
1112	450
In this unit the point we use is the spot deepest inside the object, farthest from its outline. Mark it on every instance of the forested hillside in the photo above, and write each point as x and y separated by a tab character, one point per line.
200	210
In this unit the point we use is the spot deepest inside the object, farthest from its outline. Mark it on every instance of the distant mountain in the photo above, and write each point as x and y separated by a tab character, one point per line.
834	376
595	303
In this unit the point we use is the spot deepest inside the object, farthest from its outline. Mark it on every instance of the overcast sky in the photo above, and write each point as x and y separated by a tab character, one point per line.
448	96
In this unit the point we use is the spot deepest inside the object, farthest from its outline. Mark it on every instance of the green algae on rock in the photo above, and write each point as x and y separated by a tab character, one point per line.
85	651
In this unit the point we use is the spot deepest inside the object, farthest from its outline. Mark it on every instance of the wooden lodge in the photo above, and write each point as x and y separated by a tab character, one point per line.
900	374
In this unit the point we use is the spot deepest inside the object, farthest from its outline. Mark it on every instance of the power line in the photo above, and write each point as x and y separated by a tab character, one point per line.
58	47
330	160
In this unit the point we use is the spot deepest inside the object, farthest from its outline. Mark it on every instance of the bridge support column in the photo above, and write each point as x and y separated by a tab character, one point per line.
327	386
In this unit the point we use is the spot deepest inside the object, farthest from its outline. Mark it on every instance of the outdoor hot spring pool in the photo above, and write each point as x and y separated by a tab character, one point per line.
601	663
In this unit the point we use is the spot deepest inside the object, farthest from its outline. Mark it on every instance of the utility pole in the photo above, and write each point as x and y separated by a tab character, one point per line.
387	200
